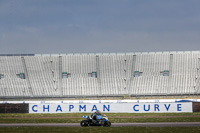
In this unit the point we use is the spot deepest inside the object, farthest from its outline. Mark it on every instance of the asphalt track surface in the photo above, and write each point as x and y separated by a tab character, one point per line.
163	124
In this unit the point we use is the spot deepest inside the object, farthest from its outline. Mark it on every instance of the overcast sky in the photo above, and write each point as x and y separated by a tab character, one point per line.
92	26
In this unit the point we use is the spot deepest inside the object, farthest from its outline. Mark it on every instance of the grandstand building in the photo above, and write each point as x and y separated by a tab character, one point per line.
100	74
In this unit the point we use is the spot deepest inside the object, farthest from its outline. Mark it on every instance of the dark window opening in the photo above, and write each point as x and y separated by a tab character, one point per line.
137	74
165	73
89	74
21	75
66	75
1	76
93	74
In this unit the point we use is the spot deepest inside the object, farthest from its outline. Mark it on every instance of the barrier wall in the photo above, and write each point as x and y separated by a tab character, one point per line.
112	108
14	108
196	106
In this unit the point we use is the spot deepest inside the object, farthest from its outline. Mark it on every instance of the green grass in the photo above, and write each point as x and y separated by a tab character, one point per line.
143	120
100	129
61	118
108	114
113	120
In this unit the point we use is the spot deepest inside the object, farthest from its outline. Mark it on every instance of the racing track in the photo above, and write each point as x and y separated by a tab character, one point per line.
163	124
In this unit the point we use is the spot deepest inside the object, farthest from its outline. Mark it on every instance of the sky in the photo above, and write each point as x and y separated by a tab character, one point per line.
98	26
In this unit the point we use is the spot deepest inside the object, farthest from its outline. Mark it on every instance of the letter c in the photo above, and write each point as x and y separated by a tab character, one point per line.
34	109
134	108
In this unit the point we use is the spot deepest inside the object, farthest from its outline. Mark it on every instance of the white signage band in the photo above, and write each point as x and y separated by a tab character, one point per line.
111	107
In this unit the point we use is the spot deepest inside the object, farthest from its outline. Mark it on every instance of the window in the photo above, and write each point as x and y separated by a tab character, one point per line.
137	73
165	73
66	75
1	76
89	74
92	74
21	75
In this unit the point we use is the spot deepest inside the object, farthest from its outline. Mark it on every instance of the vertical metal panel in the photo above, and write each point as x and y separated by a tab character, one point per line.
196	106
14	108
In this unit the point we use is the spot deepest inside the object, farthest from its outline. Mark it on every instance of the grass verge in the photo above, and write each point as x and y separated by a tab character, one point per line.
113	120
65	118
108	114
100	129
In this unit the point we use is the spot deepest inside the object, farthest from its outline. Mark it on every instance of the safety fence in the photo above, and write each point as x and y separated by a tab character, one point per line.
106	106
